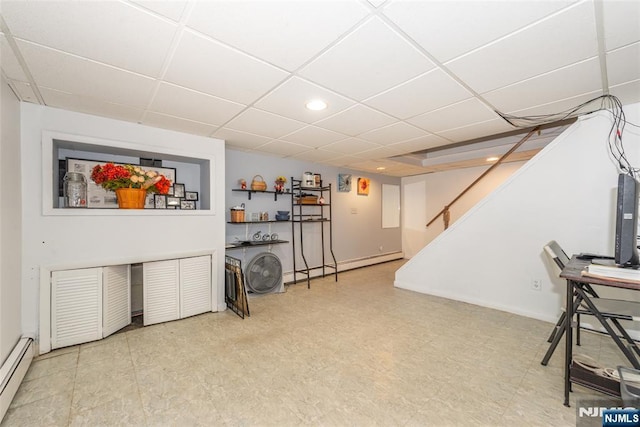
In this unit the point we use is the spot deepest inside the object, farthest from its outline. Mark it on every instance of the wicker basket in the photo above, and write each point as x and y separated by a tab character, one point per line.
258	185
237	215
131	198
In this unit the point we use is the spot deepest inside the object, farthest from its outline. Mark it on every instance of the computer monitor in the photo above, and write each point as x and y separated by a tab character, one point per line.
626	254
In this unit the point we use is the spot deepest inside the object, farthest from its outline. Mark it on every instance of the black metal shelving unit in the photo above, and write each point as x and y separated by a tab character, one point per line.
305	214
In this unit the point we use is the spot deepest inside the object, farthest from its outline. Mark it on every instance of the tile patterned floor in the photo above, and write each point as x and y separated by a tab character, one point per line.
358	352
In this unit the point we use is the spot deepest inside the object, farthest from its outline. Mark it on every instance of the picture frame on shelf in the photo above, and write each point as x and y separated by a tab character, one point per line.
170	192
191	195
160	201
149	202
178	190
187	204
173	201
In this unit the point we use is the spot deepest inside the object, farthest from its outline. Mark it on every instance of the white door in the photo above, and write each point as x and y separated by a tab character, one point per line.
161	296
195	285
76	306
116	295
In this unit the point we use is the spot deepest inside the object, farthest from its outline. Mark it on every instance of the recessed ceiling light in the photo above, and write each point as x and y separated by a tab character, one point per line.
380	168
316	105
492	159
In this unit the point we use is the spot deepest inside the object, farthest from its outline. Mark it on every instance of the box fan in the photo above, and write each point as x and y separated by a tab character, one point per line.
263	274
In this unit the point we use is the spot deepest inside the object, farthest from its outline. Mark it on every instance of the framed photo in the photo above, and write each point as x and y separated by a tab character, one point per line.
344	182
149	202
173	201
363	186
191	195
188	204
170	192
178	190
171	207
160	201
98	197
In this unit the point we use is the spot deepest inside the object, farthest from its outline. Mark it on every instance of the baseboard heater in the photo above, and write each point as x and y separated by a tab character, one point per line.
13	371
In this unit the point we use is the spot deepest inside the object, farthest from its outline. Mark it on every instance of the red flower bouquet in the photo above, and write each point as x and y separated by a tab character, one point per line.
112	177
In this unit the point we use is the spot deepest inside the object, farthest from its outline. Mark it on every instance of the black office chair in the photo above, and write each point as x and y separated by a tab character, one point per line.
561	259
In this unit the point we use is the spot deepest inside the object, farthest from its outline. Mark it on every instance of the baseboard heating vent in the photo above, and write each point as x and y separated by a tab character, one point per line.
13	371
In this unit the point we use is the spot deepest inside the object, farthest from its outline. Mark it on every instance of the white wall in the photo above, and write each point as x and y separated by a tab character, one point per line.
567	193
10	221
61	241
356	235
423	196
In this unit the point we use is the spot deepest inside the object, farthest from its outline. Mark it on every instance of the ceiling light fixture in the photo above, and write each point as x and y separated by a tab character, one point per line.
316	105
380	168
492	159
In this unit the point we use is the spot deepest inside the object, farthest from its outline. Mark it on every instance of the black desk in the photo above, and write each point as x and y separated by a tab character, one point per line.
576	283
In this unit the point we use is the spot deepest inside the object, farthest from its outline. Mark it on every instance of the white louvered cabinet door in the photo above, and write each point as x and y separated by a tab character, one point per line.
116	287
161	296
76	306
195	285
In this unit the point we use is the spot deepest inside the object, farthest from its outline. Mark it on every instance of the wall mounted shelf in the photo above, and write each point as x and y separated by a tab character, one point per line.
249	192
241	245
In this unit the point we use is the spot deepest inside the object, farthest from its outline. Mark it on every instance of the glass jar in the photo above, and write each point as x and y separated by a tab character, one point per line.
75	190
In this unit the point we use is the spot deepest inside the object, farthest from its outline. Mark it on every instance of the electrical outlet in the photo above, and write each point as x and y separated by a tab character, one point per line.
536	284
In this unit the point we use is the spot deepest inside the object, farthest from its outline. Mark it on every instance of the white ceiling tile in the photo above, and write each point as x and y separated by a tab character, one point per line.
563	39
342	161
419	144
241	139
447	29
371	59
356	120
549	87
25	92
376	3
60	71
115	33
282	148
623	65
378	153
172	9
453	116
317	155
351	146
561	106
210	67
313	136
283	33
477	130
427	92
628	93
264	123
621	22
82	104
178	124
180	102
393	133
10	65
290	98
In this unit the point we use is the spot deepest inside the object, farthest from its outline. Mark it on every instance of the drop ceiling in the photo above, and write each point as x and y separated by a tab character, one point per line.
405	82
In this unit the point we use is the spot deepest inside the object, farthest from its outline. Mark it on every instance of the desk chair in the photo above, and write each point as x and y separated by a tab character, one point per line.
561	259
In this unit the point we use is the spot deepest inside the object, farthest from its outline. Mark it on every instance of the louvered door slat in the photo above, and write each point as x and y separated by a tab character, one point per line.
195	285
117	298
161	291
76	306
